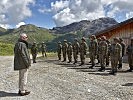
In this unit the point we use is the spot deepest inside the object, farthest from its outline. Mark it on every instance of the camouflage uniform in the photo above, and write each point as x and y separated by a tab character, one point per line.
99	40
115	54
130	55
59	50
83	50
108	53
34	52
43	48
103	49
64	49
123	52
69	52
93	48
75	50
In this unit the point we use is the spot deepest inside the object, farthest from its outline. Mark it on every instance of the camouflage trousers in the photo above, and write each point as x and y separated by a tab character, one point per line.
130	61
64	56
102	59
114	62
34	57
75	56
82	58
70	57
44	52
92	58
107	59
59	56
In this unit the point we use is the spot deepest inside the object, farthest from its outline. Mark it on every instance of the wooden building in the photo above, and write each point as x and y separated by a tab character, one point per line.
123	30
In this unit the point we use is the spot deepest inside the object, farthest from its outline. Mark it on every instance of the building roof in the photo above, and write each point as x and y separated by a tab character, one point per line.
115	26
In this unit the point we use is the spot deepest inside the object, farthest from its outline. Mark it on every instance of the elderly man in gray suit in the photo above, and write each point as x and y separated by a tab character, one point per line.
22	62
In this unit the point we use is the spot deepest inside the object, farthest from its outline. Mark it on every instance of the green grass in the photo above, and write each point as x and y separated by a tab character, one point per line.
6	49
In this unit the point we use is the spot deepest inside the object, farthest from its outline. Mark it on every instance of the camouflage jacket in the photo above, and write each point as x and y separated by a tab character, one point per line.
93	47
69	50
116	50
76	47
83	47
129	50
59	48
103	48
34	49
64	47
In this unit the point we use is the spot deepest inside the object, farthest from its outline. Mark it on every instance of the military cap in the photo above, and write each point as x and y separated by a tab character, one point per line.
76	39
93	36
83	38
65	40
103	37
59	42
120	39
116	38
69	43
99	38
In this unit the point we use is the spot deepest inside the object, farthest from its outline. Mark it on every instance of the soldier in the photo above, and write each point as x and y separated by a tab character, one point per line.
130	55
59	50
103	49
93	47
34	52
123	52
115	55
99	40
108	53
69	52
64	49
43	48
83	50
75	50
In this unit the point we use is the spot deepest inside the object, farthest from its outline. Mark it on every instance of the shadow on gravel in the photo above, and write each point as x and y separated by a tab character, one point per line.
102	74
6	94
128	84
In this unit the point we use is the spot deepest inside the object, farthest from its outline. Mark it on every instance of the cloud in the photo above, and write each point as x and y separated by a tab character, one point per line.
5	26
68	11
19	24
14	11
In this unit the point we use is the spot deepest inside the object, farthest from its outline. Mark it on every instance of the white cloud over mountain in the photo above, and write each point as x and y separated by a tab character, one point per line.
68	11
14	11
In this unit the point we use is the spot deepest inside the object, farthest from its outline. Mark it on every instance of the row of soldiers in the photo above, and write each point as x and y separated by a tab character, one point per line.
100	49
34	50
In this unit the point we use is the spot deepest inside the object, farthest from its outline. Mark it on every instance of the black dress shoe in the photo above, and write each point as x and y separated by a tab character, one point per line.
23	94
112	73
129	70
81	64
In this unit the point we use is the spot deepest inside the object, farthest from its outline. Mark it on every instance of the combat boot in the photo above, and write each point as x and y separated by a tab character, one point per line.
102	69
130	70
112	72
91	67
119	66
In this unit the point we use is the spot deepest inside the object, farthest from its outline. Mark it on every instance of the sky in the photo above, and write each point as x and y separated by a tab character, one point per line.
57	13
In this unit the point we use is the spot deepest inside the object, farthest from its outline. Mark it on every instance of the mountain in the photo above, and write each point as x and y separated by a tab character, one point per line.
85	26
35	34
52	36
2	30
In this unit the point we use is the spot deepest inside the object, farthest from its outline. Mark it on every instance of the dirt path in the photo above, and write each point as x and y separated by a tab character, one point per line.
50	79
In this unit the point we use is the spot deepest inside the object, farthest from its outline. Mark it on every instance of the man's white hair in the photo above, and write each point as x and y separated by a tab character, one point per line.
23	35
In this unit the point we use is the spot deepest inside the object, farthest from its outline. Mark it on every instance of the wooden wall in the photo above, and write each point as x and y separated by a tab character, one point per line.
125	32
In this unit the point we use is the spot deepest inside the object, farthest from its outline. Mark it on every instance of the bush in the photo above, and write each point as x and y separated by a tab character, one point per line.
6	49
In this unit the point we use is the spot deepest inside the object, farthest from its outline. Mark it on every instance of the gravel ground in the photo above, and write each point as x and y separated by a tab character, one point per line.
50	79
